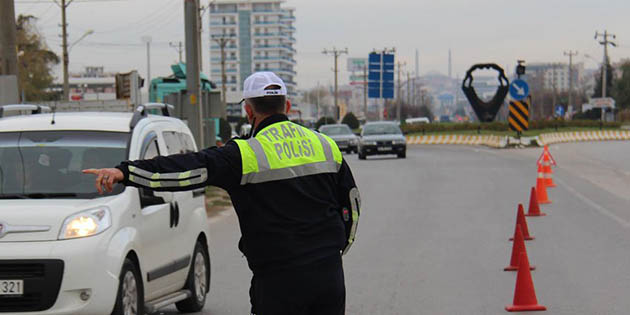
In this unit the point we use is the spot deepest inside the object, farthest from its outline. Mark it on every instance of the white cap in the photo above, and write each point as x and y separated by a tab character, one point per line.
256	84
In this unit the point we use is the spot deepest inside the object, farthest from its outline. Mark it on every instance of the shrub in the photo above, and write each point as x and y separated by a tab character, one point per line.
225	130
325	121
350	120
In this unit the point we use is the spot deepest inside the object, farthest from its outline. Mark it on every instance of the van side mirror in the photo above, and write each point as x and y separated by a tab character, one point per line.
150	198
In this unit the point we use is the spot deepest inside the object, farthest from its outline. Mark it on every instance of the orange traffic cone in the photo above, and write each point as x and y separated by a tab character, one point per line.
534	208
524	292
553	161
520	220
548	154
541	189
518	247
546	167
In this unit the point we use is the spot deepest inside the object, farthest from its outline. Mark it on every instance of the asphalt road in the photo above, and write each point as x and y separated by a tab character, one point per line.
433	236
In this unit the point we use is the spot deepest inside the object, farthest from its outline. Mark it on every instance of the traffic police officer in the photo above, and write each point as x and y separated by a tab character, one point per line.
295	197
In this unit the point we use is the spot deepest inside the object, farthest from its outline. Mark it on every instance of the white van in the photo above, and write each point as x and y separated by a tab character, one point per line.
65	249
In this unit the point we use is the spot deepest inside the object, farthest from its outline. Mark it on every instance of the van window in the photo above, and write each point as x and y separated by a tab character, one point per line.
187	142
173	142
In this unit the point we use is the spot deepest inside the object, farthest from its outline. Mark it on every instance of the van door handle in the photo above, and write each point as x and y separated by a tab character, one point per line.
176	221
172	214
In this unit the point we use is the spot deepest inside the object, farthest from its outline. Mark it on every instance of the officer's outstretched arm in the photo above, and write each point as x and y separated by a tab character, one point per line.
213	166
350	200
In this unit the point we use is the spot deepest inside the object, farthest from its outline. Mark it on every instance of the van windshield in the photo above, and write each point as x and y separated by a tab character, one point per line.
48	164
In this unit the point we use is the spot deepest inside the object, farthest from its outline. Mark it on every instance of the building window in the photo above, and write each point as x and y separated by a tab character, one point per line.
233	89
224	20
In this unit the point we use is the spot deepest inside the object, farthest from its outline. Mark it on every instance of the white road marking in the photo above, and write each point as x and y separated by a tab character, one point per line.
624	223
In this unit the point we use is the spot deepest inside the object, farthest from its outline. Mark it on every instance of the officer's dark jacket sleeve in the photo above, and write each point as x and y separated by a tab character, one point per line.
348	196
214	166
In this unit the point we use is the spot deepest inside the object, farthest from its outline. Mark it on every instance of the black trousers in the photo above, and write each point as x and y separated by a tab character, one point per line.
316	289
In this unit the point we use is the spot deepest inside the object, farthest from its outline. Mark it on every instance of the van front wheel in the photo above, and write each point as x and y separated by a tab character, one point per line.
198	281
130	297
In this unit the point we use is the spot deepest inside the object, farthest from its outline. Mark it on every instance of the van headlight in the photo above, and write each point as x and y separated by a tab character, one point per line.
86	223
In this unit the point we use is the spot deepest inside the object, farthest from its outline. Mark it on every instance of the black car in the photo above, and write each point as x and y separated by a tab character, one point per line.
343	136
382	138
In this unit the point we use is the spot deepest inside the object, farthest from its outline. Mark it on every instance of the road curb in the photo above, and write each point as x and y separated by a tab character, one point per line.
506	141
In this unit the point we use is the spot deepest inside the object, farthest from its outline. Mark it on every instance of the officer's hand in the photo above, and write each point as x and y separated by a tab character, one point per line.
105	178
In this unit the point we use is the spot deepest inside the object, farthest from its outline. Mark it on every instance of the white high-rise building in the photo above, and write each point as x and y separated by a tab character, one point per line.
261	38
555	76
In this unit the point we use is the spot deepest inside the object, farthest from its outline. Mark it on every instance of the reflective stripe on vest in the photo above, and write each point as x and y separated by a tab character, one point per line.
155	180
286	150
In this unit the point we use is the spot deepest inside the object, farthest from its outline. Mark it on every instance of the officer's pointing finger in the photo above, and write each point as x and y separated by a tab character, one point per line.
110	183
99	178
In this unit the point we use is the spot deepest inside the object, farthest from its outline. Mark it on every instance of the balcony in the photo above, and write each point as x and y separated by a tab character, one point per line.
288	17
233	70
229	59
267	22
226	24
228	47
269	34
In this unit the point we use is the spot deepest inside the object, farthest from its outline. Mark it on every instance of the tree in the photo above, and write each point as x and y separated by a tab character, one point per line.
351	120
325	121
610	78
621	89
225	130
35	61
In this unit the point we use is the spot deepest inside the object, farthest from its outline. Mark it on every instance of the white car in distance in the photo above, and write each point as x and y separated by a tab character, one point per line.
65	249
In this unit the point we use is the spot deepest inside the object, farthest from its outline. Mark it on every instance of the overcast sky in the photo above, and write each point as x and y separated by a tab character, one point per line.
500	31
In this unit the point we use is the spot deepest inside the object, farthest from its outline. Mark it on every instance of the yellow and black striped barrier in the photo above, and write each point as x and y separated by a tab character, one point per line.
519	115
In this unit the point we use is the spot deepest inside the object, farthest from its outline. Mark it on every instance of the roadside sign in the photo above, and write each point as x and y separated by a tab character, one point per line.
381	75
559	111
603	102
356	64
519	115
519	89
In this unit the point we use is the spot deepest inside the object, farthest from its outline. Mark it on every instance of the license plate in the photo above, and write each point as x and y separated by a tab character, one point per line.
384	148
11	287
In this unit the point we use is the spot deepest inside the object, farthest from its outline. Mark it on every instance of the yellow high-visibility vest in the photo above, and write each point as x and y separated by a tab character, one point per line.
287	150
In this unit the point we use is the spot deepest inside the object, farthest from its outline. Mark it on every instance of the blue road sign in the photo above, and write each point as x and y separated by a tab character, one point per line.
519	90
381	75
559	111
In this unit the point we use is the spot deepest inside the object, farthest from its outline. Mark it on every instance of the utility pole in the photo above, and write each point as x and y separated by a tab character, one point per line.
605	42
64	44
317	104
365	92
8	45
8	50
571	54
408	88
336	53
192	108
222	41
147	40
399	99
178	47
